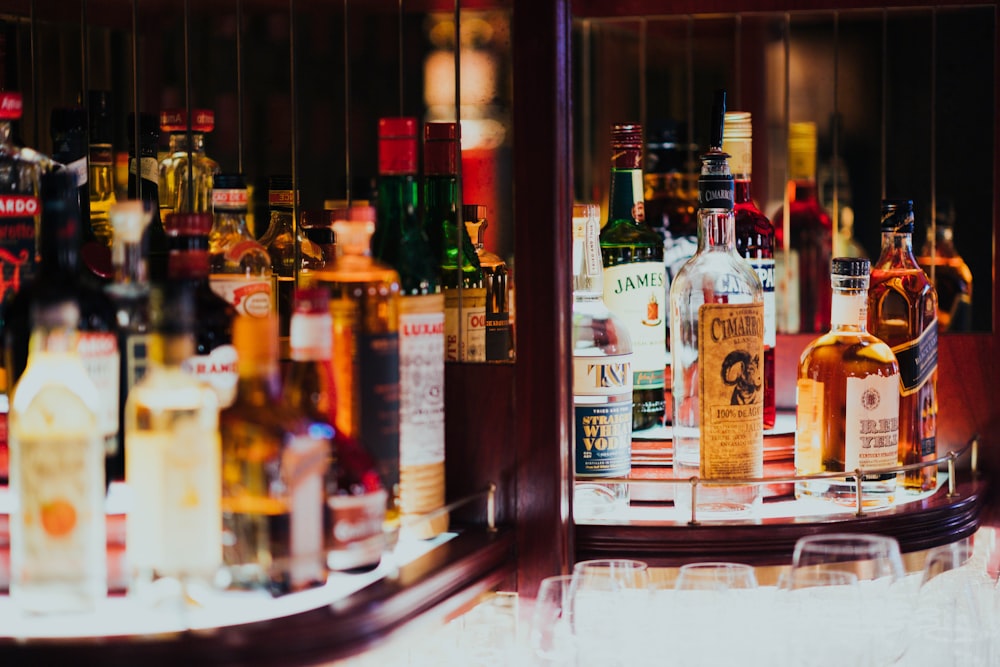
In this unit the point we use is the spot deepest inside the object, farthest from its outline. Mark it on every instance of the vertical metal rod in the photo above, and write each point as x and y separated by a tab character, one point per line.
188	105
347	109
836	125
239	86
951	474
790	324
84	64
694	502
460	195
689	93
883	129
643	74
32	58
933	139
857	492
293	148
587	115
737	50
399	33
135	100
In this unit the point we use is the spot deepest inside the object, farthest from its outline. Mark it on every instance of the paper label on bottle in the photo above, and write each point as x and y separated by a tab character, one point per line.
849	309
17	243
378	359
809	434
357	538
136	358
765	271
150	169
786	277
101	155
602	412
421	380
249	296
219	370
636	293
918	359
871	424
304	461
731	389
99	353
79	170
465	324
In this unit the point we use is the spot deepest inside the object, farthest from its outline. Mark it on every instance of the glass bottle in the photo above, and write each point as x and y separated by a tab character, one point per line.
602	378
400	241
499	338
717	343
186	172
240	266
847	396
57	526
943	264
317	225
806	260
364	303
754	239
354	512
635	276
100	166
174	462
902	311
273	474
144	185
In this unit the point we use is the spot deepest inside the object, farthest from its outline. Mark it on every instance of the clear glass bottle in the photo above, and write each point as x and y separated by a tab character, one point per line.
635	276
902	311
240	266
717	345
186	172
847	396
57	524
499	337
317	225
602	378
144	184
944	265
754	239
100	166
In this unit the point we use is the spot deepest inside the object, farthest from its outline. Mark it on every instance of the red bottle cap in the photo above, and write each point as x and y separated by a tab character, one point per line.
188	224
10	105
354	214
312	300
397	146
441	146
175	120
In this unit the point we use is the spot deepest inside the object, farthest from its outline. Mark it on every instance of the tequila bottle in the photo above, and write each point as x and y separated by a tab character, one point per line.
186	172
943	264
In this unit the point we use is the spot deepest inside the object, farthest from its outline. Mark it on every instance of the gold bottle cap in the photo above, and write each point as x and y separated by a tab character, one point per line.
737	139
802	150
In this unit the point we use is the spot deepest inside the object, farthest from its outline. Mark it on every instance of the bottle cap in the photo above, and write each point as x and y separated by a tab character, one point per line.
10	105
397	146
229	181
279	182
441	148
897	216
312	300
55	314
188	224
129	219
802	150
175	120
149	129
67	119
850	272
718	124
626	135
353	214
99	105
737	141
474	212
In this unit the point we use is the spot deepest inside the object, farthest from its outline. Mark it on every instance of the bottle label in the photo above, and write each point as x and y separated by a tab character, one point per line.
356	537
786	275
602	412
310	335
718	192
229	198
765	271
280	198
731	389
499	337
465	326
101	155
17	243
99	353
421	380
809	433
849	308
249	296
150	169
636	294
79	170
871	426
304	461
219	370
378	363
918	359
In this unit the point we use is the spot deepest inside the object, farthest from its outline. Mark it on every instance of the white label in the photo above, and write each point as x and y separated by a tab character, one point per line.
421	382
99	354
786	277
358	539
79	170
310	335
465	327
765	271
219	370
871	438
304	462
636	293
849	309
150	169
249	296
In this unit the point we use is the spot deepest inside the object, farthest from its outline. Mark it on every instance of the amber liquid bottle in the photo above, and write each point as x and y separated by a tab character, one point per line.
952	278
902	311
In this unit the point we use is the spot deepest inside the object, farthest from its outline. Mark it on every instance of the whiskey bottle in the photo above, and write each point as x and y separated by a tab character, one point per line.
847	396
902	311
717	344
754	239
952	279
186	172
602	379
499	338
635	277
144	185
57	526
100	166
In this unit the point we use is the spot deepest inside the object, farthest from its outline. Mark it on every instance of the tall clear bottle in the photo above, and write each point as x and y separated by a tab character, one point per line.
717	344
847	397
952	278
634	276
187	171
499	335
902	311
602	378
754	239
58	548
101	166
144	184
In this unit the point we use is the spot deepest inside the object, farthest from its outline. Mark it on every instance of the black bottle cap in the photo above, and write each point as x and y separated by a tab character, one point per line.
851	266
279	182
229	182
99	102
67	119
718	119
897	216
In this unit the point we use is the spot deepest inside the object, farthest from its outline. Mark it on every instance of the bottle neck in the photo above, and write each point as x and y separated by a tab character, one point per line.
188	258
171	350
130	263
59	240
61	340
310	335
231	221
849	310
179	143
717	229
626	199
742	194
897	243
5	131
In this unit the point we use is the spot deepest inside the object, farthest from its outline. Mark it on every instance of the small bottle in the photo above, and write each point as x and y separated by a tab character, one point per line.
717	343
602	378
57	526
847	396
173	528
317	225
354	513
499	338
952	279
241	268
186	172
635	276
144	185
754	240
902	311
100	166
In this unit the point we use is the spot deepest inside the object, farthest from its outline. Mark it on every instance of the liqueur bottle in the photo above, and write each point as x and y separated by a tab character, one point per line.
717	343
634	276
240	266
943	264
144	185
902	311
461	274
602	378
847	397
354	511
57	526
100	166
186	172
400	241
803	268
499	337
173	528
754	239
273	469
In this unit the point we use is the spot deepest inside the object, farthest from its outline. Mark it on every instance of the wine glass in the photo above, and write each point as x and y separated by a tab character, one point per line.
816	621
550	634
715	600
607	601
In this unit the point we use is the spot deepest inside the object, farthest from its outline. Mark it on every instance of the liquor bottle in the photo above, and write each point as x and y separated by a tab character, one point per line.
461	274
60	277
214	358
847	395
355	498
602	378
317	225
173	528
364	303
57	526
144	184
635	277
240	266
499	339
805	260
400	241
902	311
291	253
100	166
186	171
943	264
717	343
273	474
754	239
